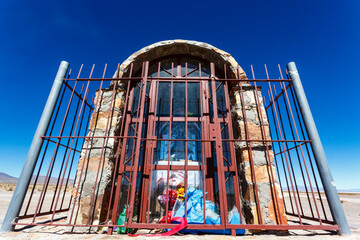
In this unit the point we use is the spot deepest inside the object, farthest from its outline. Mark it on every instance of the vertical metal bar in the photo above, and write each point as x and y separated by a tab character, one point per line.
262	126
281	154
72	141
169	144
202	96
92	124
148	149
138	142
247	137
307	151
303	157
106	135
152	124
34	151
207	146
289	110
275	159
286	150
142	93
45	150
186	142
232	147
120	157
53	158
219	153
72	160
319	153
135	149
233	165
115	170
281	136
296	145
137	132
64	157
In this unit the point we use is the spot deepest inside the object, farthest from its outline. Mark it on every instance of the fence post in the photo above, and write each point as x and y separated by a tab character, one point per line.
319	153
34	151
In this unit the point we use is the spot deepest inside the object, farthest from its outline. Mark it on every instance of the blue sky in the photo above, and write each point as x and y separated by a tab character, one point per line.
322	37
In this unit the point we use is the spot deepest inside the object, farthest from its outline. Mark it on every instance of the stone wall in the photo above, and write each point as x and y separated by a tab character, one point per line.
98	162
260	157
185	47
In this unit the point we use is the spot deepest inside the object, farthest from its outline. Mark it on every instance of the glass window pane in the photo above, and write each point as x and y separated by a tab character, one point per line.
165	68
220	99
211	107
177	152
178	107
137	99
167	191
193	99
146	105
142	145
130	145
158	196
193	68
135	102
225	145
194	148
230	193
163	101
162	147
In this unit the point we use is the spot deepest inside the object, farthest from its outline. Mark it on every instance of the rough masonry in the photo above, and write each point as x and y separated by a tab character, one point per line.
98	154
260	153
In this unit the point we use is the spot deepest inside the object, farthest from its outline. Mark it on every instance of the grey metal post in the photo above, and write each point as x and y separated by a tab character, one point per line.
319	153
34	151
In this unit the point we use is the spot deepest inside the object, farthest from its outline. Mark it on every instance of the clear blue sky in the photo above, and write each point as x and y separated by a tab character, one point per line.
322	37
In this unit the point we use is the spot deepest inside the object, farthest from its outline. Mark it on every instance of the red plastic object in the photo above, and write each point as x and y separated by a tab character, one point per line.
178	228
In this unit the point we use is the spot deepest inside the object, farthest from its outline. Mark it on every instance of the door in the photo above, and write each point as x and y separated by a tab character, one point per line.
177	145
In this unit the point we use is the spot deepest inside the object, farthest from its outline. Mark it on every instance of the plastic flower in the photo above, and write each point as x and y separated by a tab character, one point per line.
181	192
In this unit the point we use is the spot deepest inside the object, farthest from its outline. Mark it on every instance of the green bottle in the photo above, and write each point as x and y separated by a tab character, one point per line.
121	221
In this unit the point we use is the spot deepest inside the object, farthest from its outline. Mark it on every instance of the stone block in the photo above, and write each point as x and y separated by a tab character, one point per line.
255	132
261	174
101	120
249	193
274	212
255	215
93	162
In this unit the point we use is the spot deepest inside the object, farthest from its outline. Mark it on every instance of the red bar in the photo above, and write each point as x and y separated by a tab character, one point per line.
189	79
138	141
53	156
273	188
302	154
201	226
250	152
72	141
85	157
286	158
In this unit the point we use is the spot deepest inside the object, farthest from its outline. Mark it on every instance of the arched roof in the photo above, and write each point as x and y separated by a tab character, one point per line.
179	46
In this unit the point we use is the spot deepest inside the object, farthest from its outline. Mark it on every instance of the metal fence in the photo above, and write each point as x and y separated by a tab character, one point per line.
177	124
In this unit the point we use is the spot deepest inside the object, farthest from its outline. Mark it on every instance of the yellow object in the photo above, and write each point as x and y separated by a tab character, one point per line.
180	192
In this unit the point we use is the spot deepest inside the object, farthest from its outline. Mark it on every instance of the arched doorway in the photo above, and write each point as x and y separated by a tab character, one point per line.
177	124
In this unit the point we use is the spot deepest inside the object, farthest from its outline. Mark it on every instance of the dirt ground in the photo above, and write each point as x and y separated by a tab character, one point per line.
350	202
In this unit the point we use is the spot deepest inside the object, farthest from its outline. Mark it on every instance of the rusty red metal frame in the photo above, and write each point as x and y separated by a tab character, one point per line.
287	140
